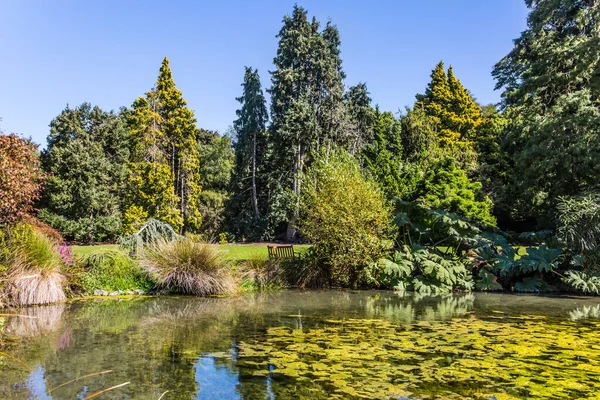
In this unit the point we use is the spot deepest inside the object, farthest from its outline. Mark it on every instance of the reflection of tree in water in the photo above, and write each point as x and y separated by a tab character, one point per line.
406	308
585	312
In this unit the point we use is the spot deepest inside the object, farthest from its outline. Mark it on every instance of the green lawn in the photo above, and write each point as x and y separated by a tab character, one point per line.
231	251
250	251
85	250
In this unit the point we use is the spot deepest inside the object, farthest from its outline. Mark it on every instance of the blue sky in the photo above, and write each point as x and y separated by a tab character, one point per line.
55	53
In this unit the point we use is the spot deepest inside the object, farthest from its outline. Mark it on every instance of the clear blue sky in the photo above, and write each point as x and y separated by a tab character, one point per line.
55	53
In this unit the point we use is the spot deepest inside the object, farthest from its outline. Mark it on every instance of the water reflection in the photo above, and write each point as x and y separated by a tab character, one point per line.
189	346
585	312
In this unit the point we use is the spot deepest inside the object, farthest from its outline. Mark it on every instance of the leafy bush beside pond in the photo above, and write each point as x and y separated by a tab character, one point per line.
346	218
112	271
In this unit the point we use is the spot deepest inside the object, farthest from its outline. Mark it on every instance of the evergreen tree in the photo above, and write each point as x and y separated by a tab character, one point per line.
465	114
551	82
164	178
361	116
217	157
307	108
456	112
250	152
448	188
86	160
383	155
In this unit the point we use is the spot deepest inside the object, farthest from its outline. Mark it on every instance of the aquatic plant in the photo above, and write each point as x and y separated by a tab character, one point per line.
502	358
35	269
187	267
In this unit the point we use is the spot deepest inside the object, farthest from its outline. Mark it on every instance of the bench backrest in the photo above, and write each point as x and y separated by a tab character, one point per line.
281	251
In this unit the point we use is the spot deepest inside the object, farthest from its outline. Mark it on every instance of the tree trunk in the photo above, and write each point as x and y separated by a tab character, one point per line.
254	196
291	228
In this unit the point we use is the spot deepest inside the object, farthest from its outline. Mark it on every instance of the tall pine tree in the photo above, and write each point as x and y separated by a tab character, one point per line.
248	205
164	174
307	109
361	116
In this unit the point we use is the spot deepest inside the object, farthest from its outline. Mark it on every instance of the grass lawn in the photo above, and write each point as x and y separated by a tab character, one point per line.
231	251
85	250
252	250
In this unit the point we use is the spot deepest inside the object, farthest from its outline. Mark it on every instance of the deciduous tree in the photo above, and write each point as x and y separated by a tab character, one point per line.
21	177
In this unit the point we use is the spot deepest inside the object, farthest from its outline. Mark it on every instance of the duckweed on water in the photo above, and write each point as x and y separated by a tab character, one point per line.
501	358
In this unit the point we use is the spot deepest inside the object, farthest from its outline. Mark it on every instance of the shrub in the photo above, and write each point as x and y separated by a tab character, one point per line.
112	270
34	267
187	267
84	230
305	271
445	186
20	177
345	216
151	233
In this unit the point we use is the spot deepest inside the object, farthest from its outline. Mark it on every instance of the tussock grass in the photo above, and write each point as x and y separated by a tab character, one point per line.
36	321
188	267
34	267
261	273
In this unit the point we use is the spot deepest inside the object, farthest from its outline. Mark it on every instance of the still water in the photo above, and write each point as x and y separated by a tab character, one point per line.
304	345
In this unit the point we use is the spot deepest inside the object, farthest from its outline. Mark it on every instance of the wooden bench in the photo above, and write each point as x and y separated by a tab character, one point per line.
281	252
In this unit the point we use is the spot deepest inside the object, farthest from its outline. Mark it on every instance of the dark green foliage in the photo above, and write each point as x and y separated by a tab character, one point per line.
248	206
112	271
100	229
307	109
361	116
551	84
579	228
217	158
447	187
86	161
383	156
431	256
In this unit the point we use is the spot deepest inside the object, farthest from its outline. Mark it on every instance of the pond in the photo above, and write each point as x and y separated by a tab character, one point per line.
304	345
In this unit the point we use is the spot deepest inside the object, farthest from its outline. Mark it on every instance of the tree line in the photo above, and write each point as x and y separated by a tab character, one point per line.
505	165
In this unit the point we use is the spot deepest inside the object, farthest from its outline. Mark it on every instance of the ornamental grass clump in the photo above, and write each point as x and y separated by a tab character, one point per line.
34	268
188	267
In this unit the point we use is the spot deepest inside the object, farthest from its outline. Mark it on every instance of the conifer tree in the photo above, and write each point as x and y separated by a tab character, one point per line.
86	161
458	116
248	182
307	108
361	116
465	114
164	175
551	82
383	155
